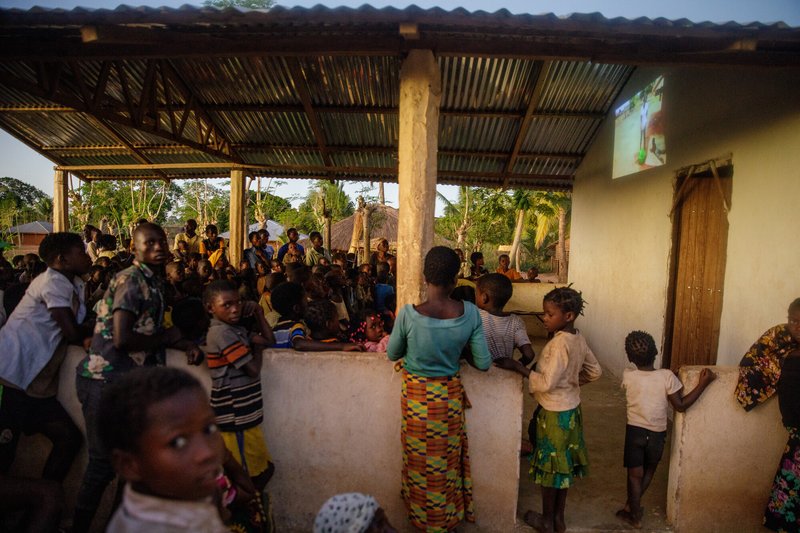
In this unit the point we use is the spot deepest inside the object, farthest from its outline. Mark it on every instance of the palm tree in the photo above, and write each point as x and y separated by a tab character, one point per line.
522	201
459	212
552	208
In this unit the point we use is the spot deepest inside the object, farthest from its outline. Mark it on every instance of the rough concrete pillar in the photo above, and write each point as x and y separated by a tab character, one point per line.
60	201
237	226
420	95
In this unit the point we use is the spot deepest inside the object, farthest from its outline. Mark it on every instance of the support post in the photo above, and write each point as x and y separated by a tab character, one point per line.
60	201
420	96
237	226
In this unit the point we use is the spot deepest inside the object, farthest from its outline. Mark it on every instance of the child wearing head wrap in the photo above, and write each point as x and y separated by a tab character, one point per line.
352	512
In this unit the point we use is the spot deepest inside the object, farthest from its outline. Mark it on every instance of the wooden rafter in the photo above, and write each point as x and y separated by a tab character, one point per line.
522	132
132	112
301	85
18	135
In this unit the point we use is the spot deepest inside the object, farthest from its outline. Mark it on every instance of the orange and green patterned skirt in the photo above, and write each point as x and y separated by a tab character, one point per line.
436	485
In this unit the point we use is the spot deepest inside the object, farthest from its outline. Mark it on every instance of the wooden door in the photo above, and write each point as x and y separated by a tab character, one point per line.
700	238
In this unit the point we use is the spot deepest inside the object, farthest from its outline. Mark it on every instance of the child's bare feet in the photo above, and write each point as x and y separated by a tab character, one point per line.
537	522
559	525
628	517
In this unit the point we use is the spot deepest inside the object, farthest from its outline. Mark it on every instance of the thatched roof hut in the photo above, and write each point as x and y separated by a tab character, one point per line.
383	225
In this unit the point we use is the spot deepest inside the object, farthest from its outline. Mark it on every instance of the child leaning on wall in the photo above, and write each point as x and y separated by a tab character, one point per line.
649	393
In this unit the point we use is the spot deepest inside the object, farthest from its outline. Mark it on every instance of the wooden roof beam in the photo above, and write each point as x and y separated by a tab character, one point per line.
536	94
63	98
301	85
21	137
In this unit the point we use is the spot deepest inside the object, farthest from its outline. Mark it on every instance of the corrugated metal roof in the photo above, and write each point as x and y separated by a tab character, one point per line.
315	92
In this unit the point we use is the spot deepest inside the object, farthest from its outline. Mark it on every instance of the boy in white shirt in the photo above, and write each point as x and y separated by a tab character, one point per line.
33	344
649	393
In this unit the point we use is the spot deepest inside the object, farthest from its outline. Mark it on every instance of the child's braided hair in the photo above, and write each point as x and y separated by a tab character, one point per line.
567	299
358	332
640	348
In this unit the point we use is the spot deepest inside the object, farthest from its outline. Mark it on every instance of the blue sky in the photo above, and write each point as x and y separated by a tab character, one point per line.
19	161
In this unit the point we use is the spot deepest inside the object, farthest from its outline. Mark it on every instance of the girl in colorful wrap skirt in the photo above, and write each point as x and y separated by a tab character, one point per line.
772	365
566	362
436	482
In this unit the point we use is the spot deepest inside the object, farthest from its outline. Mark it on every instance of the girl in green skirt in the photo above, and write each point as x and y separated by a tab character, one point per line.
566	362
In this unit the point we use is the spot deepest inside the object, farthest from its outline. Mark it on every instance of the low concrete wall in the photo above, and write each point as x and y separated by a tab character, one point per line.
528	297
332	423
723	459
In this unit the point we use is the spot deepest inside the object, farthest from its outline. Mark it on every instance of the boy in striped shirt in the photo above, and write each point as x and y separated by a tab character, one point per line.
234	361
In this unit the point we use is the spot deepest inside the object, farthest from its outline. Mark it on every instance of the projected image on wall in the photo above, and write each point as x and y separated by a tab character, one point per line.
639	131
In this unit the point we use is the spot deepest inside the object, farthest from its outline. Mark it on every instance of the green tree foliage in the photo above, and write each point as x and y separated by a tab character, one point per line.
21	203
205	202
249	4
309	216
115	206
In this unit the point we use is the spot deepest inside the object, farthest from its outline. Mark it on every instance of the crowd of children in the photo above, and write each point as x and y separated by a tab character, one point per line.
158	430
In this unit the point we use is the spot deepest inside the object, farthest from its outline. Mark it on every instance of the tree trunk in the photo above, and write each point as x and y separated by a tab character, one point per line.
561	249
357	228
381	195
514	254
365	222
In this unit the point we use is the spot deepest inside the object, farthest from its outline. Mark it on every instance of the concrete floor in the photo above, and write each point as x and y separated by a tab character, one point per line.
592	502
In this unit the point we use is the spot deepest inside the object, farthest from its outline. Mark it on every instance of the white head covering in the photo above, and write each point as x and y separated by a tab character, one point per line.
346	513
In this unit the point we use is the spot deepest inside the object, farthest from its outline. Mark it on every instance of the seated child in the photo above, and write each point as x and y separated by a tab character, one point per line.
173	288
370	333
336	282
106	246
503	331
265	301
205	271
163	439
234	362
382	287
213	246
322	320
289	300
345	513
533	275
477	270
649	393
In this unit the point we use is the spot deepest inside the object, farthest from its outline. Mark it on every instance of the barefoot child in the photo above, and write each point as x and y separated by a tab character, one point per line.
234	362
163	439
430	337
649	393
566	362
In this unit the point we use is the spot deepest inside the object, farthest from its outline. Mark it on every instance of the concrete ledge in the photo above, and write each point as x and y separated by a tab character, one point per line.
332	423
723	459
528	297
